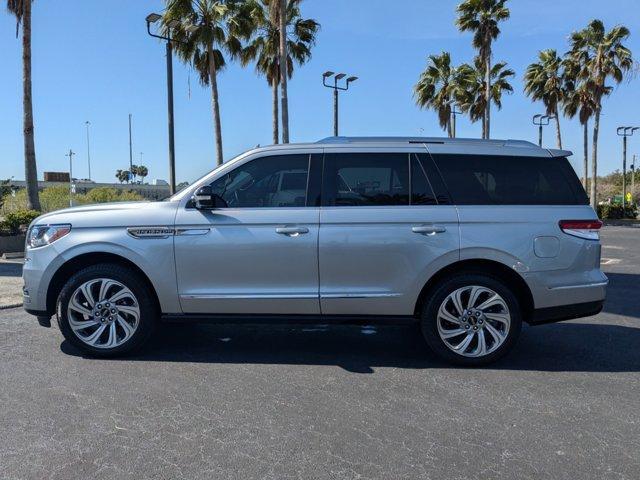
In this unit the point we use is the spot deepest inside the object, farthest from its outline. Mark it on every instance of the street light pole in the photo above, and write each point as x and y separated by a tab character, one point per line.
633	178
454	113
87	123
130	147
625	132
172	24
336	88
71	184
541	121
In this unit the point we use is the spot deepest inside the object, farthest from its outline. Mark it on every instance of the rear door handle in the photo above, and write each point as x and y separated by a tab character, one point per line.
428	229
292	231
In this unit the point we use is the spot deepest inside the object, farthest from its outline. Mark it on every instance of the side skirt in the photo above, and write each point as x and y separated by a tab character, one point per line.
289	319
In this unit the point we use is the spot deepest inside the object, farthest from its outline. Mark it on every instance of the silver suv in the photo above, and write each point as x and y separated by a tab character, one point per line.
469	238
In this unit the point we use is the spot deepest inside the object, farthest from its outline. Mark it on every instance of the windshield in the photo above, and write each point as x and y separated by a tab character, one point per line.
181	194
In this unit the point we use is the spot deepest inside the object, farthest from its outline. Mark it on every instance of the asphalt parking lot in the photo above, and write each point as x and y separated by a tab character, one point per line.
314	402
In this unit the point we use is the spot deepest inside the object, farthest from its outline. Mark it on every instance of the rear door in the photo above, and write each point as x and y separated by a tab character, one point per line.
383	231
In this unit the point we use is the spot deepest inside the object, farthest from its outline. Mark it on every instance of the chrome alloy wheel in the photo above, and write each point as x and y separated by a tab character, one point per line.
103	313
473	321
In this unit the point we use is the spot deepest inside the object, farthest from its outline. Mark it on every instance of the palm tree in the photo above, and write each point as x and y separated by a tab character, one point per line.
21	9
264	47
142	172
579	101
545	81
208	30
436	88
481	17
471	87
282	25
601	55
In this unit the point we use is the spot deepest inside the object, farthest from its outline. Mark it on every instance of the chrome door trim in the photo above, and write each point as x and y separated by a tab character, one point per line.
360	295
234	296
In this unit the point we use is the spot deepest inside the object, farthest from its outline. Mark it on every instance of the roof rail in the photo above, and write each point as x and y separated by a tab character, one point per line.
431	140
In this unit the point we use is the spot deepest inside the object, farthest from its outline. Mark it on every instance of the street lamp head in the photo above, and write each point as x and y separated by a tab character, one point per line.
340	76
351	79
328	73
535	117
153	18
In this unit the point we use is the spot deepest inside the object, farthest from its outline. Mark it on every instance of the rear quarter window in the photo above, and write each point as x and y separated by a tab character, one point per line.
510	180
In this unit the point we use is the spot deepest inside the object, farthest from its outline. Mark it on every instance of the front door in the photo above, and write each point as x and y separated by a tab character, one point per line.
260	253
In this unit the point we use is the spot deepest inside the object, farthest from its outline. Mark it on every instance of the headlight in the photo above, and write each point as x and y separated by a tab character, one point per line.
41	235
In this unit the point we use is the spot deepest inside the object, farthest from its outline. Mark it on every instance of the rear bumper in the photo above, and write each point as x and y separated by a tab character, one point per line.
541	316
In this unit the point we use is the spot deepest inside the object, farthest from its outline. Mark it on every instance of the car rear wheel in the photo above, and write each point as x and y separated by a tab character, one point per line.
471	319
106	310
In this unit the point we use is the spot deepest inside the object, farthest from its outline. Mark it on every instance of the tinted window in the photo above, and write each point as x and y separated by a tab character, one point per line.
421	190
364	179
278	181
507	180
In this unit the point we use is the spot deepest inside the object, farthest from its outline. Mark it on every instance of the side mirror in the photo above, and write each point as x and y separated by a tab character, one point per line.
205	199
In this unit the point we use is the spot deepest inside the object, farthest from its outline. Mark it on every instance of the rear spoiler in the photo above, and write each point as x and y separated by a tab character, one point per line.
555	153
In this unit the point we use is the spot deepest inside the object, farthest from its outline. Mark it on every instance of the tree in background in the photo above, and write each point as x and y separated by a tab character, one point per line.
21	9
600	56
481	17
545	81
264	46
142	172
437	88
471	88
123	175
579	100
209	29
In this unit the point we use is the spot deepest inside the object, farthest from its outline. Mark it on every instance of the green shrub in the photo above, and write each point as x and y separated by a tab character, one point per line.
106	195
57	198
16	222
615	211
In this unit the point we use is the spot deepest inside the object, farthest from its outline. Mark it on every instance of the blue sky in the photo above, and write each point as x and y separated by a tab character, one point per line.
93	60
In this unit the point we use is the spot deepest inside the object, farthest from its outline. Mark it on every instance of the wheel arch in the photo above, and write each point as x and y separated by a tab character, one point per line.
83	260
512	278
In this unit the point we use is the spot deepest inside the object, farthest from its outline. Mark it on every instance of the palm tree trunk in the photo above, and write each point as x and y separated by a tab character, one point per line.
594	160
30	168
449	129
274	95
283	71
585	142
487	93
558	134
215	103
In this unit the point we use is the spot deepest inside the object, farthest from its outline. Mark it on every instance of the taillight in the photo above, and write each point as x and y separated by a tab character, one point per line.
587	229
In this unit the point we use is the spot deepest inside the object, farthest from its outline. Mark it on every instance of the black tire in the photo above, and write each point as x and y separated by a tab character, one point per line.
429	320
127	277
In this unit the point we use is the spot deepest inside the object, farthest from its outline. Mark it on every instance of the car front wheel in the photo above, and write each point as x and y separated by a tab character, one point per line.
471	319
106	310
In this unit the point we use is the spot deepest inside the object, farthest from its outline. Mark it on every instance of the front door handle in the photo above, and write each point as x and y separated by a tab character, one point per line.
292	231
428	229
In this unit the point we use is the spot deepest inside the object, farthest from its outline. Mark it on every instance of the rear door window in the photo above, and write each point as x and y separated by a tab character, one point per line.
510	180
366	179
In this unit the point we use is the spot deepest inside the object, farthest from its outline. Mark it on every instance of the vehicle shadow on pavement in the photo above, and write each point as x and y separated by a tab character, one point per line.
571	346
623	294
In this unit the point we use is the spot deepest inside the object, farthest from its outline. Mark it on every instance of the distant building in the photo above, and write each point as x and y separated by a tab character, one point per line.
62	177
159	181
